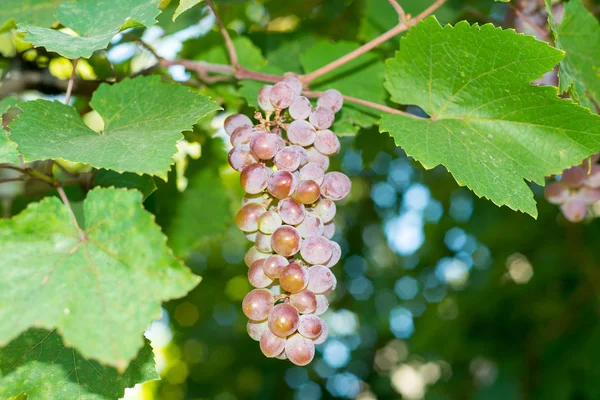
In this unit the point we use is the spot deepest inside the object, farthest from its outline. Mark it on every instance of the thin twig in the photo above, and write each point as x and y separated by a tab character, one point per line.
71	82
233	58
10	166
399	10
21	178
65	200
529	21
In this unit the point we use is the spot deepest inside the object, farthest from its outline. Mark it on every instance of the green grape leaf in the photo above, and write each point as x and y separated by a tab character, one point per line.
40	366
7	103
8	150
36	12
99	287
362	77
143	121
96	22
489	126
127	180
580	69
183	6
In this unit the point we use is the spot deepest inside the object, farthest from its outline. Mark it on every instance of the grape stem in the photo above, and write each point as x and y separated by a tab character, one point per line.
529	22
71	82
233	58
399	10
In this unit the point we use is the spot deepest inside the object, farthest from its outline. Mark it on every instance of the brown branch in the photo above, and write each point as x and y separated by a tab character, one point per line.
529	21
71	82
233	58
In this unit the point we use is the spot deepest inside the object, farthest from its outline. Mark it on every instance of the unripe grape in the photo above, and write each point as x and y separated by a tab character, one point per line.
274	264
304	301
336	254
258	304
310	326
281	184
294	83
263	242
253	254
265	145
327	142
312	172
291	211
268	222
282	95
331	99
283	320
574	209
247	218
286	241
335	186
271	345
254	178
255	329
325	209
293	278
235	121
311	226
329	230
288	158
299	350
316	157
240	157
323	336
264	98
322	304
574	176
300	108
302	133
243	135
316	250
320	279
308	192
321	118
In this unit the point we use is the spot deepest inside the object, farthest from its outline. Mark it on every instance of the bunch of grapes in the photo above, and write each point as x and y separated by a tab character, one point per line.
287	213
578	187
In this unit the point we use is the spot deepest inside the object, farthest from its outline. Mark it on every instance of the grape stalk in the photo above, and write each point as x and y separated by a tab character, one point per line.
288	213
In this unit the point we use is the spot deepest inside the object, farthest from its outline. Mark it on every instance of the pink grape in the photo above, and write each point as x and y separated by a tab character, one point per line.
286	241
258	304
299	350
321	118
574	176
311	226
255	329
312	172
336	254
331	99
302	133
593	179
325	209
253	254
294	83
310	326
316	250
281	184
322	304
300	108
247	218
327	142
265	145
333	285
283	320
271	345
293	278
274	264
308	192
243	135
254	178
574	209
268	222
320	280
316	157
288	158
240	157
323	336
556	193
235	121
264	98
263	242
329	230
282	95
291	211
304	301
335	186
251	236
588	195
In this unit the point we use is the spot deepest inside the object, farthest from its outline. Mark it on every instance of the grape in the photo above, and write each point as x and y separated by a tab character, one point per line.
300	108
333	285
271	345
329	230
235	121
574	209
325	209
312	172
252	255
308	192
264	99
282	356
310	326
293	278
316	157
304	301
320	279
274	264
263	242
288	159
247	218
588	195
282	95
574	176
321	118
336	254
240	157
258	304
243	135
556	193
268	222
323	336
291	211
593	179
253	198
265	145
281	184
256	328
311	226
294	83
316	250
254	178
256	275
327	142
335	186
322	304
283	320
251	236
286	240
301	133
331	99
299	350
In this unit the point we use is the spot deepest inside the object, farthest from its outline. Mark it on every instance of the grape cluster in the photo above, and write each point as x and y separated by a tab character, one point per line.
288	213
578	187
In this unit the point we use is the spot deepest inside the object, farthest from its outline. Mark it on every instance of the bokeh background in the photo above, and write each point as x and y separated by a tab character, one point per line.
441	295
